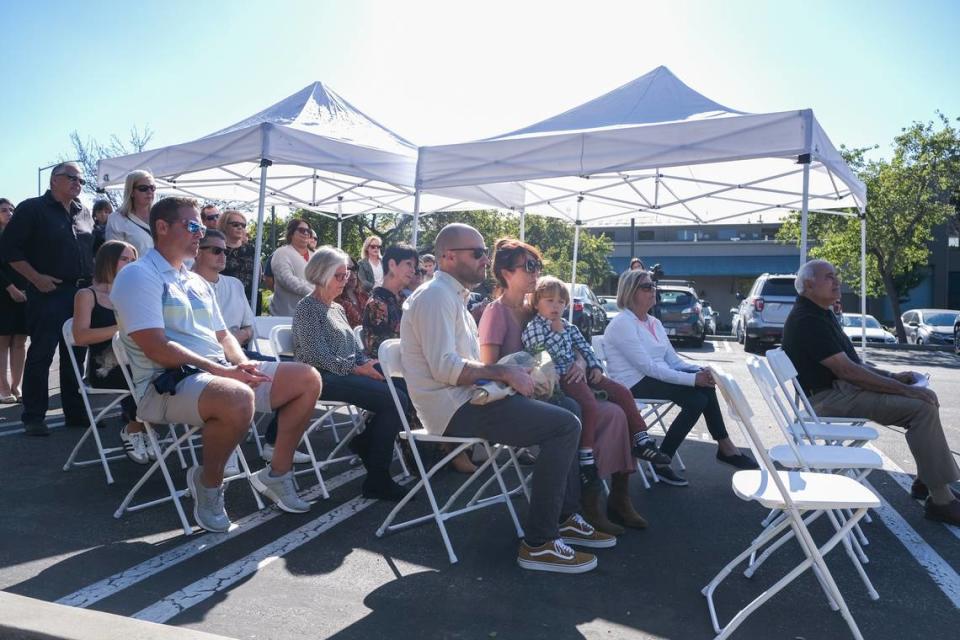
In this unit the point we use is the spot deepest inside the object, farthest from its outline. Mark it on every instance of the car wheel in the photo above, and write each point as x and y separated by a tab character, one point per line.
750	345
956	343
698	342
919	341
740	335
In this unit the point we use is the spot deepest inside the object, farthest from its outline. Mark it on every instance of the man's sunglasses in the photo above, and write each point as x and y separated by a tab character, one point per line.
212	218
217	251
73	178
194	227
478	252
531	266
144	188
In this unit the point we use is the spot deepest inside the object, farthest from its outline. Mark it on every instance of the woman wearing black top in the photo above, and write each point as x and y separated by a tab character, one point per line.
94	324
13	321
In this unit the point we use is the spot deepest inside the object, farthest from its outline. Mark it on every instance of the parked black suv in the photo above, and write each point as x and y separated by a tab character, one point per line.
762	313
681	313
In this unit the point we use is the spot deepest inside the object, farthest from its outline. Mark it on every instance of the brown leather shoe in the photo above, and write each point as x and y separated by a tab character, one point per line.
591	498
619	505
919	491
948	513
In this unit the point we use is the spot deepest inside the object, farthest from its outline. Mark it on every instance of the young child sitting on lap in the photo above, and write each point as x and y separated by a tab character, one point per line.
549	331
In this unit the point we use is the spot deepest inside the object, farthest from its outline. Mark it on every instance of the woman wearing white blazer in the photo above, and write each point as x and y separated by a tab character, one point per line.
131	222
640	357
288	264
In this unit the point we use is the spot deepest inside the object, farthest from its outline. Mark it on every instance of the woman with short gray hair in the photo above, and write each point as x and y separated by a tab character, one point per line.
323	338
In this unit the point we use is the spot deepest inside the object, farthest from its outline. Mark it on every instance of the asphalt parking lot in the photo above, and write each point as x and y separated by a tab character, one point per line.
325	574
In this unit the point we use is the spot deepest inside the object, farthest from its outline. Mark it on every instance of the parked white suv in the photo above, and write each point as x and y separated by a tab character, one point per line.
762	313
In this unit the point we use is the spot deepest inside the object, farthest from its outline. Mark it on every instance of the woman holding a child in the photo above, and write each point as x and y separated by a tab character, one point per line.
517	266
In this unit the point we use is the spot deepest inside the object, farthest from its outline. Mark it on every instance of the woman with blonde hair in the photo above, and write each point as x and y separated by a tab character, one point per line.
370	265
94	324
131	222
240	252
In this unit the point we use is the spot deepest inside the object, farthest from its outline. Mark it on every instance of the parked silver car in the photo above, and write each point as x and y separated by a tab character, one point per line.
929	326
762	313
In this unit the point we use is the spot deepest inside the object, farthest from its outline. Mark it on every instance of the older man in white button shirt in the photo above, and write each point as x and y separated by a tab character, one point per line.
441	361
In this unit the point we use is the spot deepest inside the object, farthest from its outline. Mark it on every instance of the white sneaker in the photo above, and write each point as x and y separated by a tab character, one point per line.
279	489
135	446
298	456
232	468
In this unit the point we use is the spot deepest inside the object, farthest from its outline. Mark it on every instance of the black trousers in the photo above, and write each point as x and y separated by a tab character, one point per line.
693	402
46	313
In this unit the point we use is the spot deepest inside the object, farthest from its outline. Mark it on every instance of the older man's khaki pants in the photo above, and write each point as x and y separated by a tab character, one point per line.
935	464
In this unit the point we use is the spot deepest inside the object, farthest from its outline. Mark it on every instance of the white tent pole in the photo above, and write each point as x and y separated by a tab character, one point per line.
863	286
416	217
258	247
523	225
339	222
804	210
576	251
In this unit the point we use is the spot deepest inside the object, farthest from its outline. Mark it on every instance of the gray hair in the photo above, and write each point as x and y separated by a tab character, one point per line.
628	284
805	273
58	169
323	264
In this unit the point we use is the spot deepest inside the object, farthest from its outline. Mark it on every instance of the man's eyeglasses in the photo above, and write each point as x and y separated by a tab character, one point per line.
647	286
304	231
212	218
217	251
193	227
478	252
144	188
531	266
236	224
73	178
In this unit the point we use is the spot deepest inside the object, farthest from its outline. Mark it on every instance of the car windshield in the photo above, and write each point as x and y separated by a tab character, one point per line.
673	296
854	321
779	287
941	319
610	305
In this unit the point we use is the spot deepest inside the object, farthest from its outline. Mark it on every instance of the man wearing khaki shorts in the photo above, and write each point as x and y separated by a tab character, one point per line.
188	368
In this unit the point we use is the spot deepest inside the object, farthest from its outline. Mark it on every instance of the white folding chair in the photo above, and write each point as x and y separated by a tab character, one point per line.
262	326
358	333
173	494
389	356
793	493
804	421
855	462
104	455
653	411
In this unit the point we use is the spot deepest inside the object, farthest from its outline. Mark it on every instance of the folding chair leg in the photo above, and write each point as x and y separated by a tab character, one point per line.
247	473
503	490
313	459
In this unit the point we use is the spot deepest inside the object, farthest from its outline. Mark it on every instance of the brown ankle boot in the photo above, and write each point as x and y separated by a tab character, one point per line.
619	504
591	499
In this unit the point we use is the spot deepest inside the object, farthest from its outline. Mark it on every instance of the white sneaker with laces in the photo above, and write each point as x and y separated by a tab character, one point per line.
135	446
280	489
299	457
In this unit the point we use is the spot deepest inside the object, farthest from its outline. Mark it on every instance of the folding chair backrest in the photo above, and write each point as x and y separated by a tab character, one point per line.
123	359
392	367
67	331
786	375
597	343
767	384
358	334
263	325
739	410
281	341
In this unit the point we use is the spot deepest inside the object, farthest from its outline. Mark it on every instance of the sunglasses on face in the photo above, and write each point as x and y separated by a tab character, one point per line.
236	224
193	227
304	231
374	246
144	188
478	252
217	251
73	178
531	266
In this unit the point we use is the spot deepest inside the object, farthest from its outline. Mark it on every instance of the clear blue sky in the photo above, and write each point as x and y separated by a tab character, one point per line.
449	71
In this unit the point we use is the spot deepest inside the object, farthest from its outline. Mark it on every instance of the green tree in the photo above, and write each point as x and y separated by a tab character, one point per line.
907	196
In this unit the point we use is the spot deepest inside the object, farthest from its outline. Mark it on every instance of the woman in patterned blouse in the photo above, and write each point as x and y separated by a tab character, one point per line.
354	298
323	338
240	253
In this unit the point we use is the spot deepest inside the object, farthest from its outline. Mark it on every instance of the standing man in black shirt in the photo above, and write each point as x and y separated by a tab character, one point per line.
49	242
839	384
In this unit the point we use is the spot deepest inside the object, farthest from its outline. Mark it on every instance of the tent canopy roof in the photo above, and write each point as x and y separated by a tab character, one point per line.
324	154
655	150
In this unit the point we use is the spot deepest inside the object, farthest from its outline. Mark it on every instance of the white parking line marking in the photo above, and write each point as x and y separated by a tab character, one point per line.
194	545
939	569
195	593
726	346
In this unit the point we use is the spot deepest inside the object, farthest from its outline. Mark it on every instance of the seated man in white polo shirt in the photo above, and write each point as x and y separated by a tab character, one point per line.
189	369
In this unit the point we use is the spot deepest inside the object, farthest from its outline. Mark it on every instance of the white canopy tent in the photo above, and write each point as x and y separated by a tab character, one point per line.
657	151
312	150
